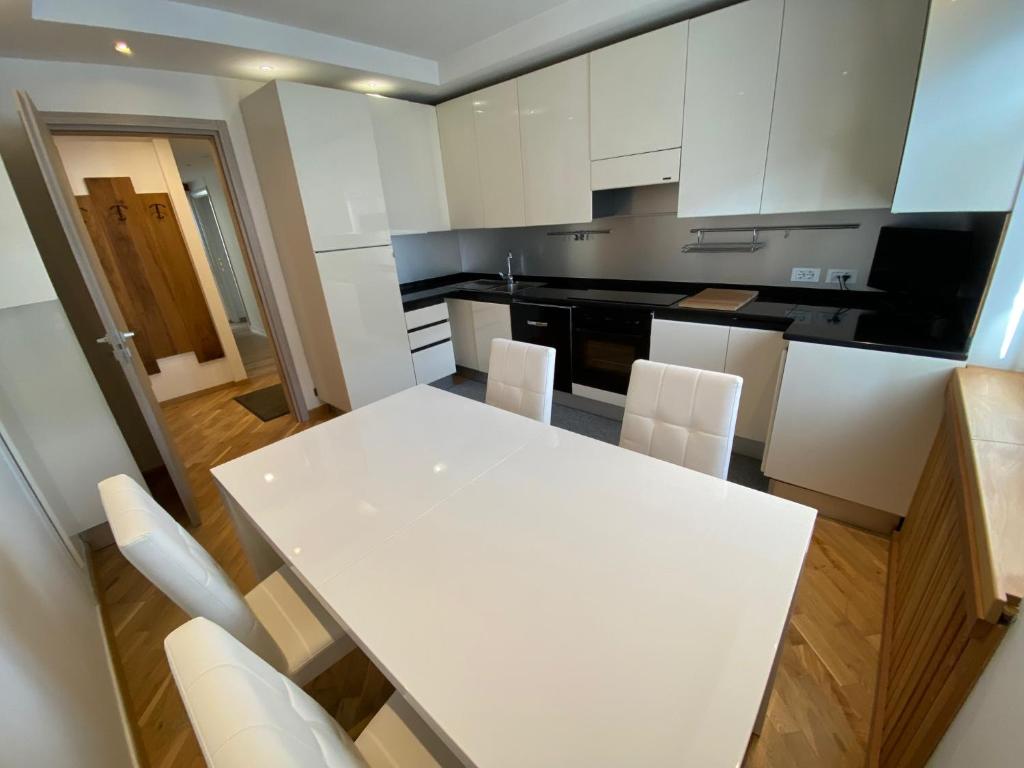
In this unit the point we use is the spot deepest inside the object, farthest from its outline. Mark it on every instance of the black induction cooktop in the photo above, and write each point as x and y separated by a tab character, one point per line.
618	297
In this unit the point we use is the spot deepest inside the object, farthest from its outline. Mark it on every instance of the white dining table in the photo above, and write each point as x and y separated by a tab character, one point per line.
540	598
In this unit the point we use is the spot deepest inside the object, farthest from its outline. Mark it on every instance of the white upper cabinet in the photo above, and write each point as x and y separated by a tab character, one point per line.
496	117
461	164
409	155
730	84
330	136
842	101
966	139
555	127
636	94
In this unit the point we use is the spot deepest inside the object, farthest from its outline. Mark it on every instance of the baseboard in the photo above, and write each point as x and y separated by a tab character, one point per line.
746	447
834	508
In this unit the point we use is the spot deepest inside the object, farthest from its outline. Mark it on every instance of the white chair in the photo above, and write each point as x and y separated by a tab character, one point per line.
279	619
682	415
521	378
247	715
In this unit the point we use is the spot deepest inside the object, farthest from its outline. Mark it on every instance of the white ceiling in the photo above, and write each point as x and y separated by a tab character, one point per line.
420	49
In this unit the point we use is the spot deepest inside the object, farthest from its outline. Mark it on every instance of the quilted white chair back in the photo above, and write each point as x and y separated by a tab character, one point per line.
178	566
521	378
246	714
683	415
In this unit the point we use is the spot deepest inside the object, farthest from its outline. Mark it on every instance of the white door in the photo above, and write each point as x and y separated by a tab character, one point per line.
555	125
496	116
842	101
730	86
365	307
753	354
490	321
694	345
461	163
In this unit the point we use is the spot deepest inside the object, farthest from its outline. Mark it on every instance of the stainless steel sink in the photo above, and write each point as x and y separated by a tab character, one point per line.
497	286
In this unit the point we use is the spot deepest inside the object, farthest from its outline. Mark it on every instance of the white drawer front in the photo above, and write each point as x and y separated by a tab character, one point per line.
417	318
635	170
434	363
425	336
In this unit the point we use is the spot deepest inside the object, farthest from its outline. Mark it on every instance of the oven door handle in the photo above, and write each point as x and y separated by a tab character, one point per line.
537	323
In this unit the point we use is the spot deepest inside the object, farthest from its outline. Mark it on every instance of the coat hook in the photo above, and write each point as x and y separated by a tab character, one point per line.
155	207
120	206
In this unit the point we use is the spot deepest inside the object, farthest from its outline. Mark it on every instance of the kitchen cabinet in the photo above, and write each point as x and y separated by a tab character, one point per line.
856	423
455	123
496	117
430	339
636	98
333	155
754	355
842	102
409	157
965	143
555	131
694	345
460	314
730	87
474	324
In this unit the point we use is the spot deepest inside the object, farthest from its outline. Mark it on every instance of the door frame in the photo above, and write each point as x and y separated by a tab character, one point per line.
102	123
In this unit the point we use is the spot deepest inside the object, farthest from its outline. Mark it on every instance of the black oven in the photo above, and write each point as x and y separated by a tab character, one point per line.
605	342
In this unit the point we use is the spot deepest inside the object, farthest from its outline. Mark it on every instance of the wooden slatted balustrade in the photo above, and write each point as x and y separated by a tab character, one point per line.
956	568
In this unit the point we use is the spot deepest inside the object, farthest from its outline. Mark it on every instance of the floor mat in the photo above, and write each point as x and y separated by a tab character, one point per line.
267	403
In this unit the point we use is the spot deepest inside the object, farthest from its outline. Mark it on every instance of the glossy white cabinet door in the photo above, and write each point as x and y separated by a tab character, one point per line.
730	84
695	345
856	423
330	135
636	93
461	164
409	156
490	321
754	355
365	307
966	139
460	314
496	115
842	102
554	121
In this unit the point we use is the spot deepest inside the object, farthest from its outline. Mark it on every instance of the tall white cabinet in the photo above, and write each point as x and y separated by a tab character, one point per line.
842	102
409	158
555	127
496	117
730	88
965	145
455	122
316	159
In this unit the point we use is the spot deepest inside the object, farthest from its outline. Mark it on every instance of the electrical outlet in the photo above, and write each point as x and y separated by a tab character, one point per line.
805	275
833	276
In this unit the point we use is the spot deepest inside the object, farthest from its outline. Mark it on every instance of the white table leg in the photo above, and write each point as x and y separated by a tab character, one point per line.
262	558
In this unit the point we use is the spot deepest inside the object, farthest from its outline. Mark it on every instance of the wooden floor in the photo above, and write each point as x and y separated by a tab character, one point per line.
819	711
256	352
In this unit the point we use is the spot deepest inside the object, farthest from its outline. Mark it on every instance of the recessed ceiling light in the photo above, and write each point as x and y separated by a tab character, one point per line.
266	68
122	47
373	85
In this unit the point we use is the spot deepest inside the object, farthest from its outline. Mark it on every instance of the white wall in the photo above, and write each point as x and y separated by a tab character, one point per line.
50	403
57	697
150	165
75	87
984	733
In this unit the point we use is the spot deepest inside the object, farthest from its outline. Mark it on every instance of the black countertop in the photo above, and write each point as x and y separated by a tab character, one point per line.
863	319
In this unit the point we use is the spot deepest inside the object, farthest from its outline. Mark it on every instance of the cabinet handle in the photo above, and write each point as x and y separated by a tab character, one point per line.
536	323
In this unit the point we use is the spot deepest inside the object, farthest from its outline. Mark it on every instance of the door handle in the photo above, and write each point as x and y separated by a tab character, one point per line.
123	335
537	323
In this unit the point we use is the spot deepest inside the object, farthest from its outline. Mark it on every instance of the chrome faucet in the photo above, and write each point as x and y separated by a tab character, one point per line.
509	279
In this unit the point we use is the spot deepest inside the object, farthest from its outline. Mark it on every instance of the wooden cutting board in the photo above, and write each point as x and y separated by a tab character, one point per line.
718	298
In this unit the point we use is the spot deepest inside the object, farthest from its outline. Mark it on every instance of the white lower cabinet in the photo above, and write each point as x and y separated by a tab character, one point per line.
856	423
460	314
433	363
430	340
474	325
750	353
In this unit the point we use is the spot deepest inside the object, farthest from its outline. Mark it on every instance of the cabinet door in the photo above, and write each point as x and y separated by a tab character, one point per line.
730	85
365	308
330	135
460	314
636	93
966	137
695	345
553	111
496	116
842	101
490	321
409	155
754	356
461	163
856	423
